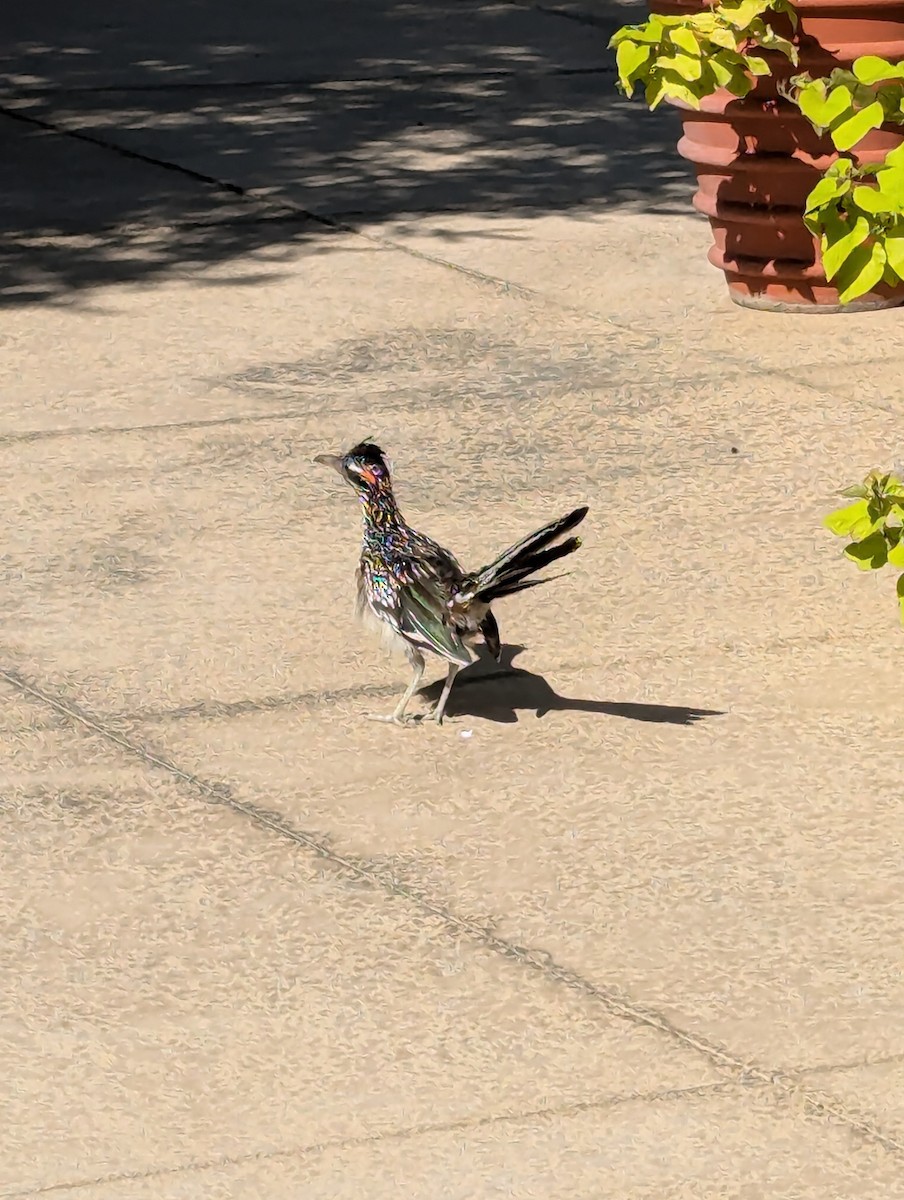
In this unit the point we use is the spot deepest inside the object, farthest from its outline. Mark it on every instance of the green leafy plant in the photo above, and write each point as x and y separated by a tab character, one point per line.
858	215
850	104
873	523
857	211
689	57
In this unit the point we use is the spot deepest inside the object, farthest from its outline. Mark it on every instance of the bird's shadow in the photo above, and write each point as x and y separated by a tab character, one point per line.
496	691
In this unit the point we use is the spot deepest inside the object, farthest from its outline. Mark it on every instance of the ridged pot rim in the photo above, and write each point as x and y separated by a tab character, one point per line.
733	212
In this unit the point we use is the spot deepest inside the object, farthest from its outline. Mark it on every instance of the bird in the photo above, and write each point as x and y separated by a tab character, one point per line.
416	590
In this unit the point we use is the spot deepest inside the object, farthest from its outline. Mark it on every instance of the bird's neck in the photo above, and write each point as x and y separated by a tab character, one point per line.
381	513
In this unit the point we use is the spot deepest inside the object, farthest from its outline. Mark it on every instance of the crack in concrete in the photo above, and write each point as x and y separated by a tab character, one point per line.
786	1087
309	83
466	1124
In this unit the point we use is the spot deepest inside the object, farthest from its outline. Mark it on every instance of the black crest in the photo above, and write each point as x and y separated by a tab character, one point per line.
368	452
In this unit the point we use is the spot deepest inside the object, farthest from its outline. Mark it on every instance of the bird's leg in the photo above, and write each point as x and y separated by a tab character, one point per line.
437	713
397	717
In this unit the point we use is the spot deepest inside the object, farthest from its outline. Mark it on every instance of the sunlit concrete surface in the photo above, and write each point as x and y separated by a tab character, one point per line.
629	925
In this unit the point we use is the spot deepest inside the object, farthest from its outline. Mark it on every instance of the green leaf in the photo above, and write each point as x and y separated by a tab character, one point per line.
770	40
894	250
722	74
682	64
724	38
839	248
896	552
856	492
890	181
872	69
651	33
895	158
843	520
741	13
899	587
685	40
870	554
786	7
874	519
870	199
822	108
877	510
853	130
740	84
842	168
629	58
861	271
829	188
756	65
671	88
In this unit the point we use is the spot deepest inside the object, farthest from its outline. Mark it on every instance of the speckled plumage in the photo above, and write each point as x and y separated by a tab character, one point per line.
417	590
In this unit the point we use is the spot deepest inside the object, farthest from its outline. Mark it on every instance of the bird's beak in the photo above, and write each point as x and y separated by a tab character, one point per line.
330	460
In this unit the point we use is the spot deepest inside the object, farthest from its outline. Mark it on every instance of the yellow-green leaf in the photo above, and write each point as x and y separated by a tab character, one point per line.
682	64
838	250
854	129
843	520
722	74
650	33
786	7
894	250
757	65
861	271
629	57
828	189
684	39
740	13
872	69
896	554
822	108
870	554
671	88
870	199
890	181
770	40
724	38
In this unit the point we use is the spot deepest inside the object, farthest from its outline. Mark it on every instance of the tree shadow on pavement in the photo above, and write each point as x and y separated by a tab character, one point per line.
497	691
178	138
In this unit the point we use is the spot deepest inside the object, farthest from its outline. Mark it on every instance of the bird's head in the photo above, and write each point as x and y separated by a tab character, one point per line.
364	467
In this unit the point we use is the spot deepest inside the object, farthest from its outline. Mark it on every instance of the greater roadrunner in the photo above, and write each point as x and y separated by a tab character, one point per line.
418	591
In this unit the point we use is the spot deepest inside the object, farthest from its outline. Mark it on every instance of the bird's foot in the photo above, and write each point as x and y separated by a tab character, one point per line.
434	715
405	721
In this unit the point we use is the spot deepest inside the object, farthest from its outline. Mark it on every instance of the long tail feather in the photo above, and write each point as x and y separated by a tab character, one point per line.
507	573
528	545
521	568
512	588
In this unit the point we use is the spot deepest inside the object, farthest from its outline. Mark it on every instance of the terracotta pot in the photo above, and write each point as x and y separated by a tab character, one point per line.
757	159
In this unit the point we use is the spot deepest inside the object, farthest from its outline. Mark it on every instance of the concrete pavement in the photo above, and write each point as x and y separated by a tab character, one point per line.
631	923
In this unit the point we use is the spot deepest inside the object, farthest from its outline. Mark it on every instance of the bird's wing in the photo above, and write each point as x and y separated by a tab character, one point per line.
424	598
426	622
414	602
